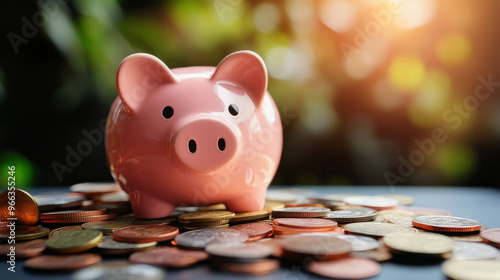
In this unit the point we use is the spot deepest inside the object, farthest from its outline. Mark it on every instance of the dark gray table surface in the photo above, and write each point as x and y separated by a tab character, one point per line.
478	203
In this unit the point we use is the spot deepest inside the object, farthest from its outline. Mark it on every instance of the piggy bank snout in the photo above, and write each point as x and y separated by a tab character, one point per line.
205	144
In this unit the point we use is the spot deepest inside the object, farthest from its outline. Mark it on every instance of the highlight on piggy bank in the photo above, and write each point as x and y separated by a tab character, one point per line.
194	135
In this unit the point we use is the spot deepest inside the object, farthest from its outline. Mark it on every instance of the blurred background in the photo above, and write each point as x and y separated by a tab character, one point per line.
371	92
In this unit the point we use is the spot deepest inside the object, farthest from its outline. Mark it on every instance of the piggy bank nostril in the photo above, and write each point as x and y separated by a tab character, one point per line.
221	144
192	146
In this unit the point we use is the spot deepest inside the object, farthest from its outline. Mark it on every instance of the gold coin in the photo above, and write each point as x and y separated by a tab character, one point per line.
22	233
74	241
271	205
375	229
472	269
220	206
401	198
24	209
186	228
207	216
249	216
396	213
60	230
421	243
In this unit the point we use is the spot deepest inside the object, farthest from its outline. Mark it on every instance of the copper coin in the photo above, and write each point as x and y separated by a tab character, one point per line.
145	233
375	202
259	267
162	221
446	224
306	223
424	211
321	247
206	216
300	212
60	230
169	256
492	236
84	219
199	239
347	268
249	216
25	209
281	230
290	234
22	233
23	250
241	252
66	262
70	214
94	189
255	231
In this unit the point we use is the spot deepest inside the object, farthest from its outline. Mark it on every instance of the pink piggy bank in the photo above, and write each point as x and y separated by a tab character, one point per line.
193	136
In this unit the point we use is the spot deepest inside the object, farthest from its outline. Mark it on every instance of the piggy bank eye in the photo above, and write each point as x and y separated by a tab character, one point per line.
168	112
233	109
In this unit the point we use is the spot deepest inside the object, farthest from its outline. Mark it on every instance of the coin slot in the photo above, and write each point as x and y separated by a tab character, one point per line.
192	146
221	144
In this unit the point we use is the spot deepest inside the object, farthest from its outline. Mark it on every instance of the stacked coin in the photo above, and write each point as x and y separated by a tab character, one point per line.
300	231
205	219
286	226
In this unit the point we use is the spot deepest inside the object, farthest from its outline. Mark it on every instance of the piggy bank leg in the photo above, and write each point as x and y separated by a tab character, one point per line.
149	207
249	201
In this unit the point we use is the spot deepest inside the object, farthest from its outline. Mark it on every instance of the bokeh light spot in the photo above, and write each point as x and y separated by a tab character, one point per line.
431	100
24	171
455	162
406	72
339	16
415	13
453	49
318	116
266	17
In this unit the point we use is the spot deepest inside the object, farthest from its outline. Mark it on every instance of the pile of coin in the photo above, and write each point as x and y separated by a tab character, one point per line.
339	236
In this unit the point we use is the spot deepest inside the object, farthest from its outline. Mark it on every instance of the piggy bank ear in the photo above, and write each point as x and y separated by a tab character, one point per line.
246	69
137	76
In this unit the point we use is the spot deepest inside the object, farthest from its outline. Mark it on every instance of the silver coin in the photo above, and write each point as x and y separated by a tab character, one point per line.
118	271
444	222
371	201
352	215
474	251
202	237
330	198
109	243
282	196
360	243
